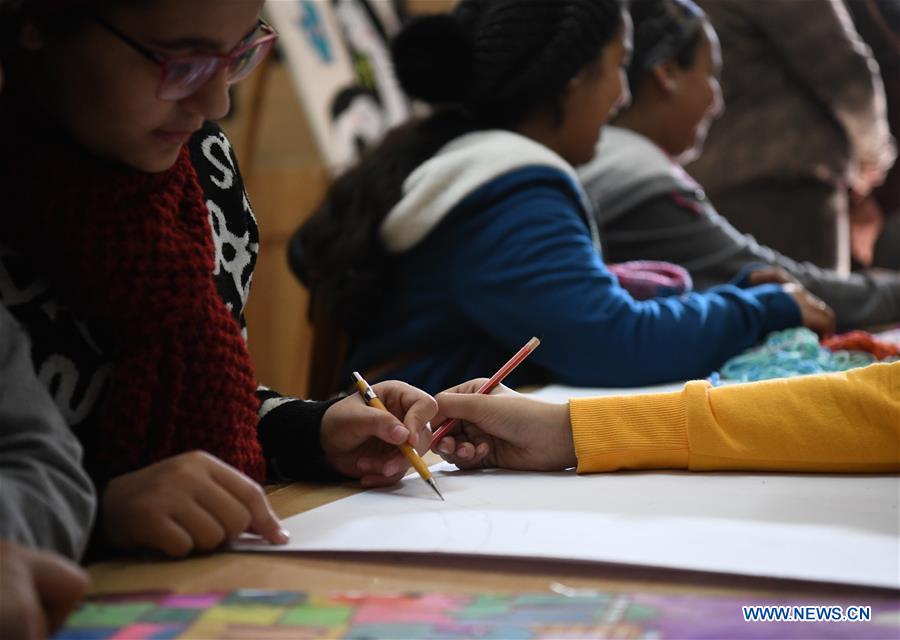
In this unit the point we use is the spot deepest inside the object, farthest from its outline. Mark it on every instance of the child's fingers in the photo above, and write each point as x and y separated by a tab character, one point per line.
479	439
263	520
414	407
408	405
470	455
417	421
205	531
21	611
446	446
168	536
473	408
465	451
405	400
421	438
60	584
770	274
392	464
466	464
230	513
373	480
471	386
379	424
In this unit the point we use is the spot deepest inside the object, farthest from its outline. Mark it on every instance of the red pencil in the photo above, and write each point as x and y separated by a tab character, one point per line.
488	386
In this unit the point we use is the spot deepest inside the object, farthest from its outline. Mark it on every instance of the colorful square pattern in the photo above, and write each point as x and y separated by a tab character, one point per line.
284	615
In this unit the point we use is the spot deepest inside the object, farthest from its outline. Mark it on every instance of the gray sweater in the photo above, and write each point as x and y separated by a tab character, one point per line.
46	498
649	208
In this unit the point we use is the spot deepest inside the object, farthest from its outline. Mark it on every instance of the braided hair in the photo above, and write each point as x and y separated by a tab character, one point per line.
488	64
500	59
663	30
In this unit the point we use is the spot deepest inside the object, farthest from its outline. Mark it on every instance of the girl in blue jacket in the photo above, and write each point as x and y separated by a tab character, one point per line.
466	232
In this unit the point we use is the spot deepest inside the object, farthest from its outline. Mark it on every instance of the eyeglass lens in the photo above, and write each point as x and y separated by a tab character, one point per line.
184	77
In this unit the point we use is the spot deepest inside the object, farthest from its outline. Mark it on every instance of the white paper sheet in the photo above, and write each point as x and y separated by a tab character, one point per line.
562	393
842	529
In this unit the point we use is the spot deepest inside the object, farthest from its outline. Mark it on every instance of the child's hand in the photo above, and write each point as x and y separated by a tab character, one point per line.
37	591
817	315
869	176
361	441
765	275
187	502
505	429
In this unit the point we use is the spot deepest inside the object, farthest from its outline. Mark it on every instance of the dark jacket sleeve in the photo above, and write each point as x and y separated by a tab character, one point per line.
683	229
289	431
46	498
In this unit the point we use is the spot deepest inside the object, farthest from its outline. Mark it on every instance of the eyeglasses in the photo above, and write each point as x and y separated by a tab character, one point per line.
183	76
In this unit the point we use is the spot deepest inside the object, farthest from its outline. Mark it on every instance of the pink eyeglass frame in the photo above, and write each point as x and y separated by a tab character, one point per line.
211	63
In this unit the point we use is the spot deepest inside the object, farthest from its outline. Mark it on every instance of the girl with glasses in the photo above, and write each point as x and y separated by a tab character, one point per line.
127	251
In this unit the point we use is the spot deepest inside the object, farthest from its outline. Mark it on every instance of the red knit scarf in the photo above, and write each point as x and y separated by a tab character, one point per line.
132	254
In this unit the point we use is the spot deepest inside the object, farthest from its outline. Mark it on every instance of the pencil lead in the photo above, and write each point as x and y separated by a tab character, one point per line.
433	485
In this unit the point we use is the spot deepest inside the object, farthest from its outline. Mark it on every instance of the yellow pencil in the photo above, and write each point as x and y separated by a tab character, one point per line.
368	395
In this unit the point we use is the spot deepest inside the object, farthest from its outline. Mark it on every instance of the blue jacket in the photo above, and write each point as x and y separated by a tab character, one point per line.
492	244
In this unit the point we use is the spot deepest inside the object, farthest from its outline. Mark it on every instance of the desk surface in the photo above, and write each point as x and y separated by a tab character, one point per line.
394	573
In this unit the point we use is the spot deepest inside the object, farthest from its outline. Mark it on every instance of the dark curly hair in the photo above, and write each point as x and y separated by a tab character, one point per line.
488	64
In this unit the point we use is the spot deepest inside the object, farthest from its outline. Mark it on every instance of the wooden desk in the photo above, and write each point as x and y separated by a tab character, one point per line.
395	573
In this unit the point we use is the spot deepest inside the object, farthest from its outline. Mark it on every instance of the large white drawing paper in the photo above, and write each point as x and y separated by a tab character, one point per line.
562	393
842	529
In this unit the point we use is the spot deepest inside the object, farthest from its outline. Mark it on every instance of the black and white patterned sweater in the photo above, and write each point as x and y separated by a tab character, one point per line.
72	361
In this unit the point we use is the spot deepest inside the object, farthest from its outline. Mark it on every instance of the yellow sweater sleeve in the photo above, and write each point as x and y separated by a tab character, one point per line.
841	422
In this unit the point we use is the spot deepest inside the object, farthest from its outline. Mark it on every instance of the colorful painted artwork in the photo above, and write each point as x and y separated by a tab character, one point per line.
340	61
277	615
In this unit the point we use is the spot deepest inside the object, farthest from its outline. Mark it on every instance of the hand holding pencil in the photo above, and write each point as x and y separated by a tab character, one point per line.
353	446
505	429
492	425
372	400
361	441
489	385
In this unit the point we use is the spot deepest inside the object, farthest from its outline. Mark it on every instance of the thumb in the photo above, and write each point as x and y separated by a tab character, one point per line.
474	408
419	416
377	423
60	585
388	428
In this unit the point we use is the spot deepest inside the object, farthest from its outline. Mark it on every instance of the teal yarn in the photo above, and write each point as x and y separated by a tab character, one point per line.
793	352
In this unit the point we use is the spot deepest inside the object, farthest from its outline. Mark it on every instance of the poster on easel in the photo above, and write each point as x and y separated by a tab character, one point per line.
338	54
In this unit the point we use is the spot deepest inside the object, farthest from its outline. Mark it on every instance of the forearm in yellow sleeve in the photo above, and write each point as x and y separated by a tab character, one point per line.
843	422
630	432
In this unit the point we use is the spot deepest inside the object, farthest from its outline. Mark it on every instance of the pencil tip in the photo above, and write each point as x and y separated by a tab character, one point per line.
433	485
357	377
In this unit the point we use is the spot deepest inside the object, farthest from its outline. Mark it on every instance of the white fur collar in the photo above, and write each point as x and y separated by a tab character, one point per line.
457	170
